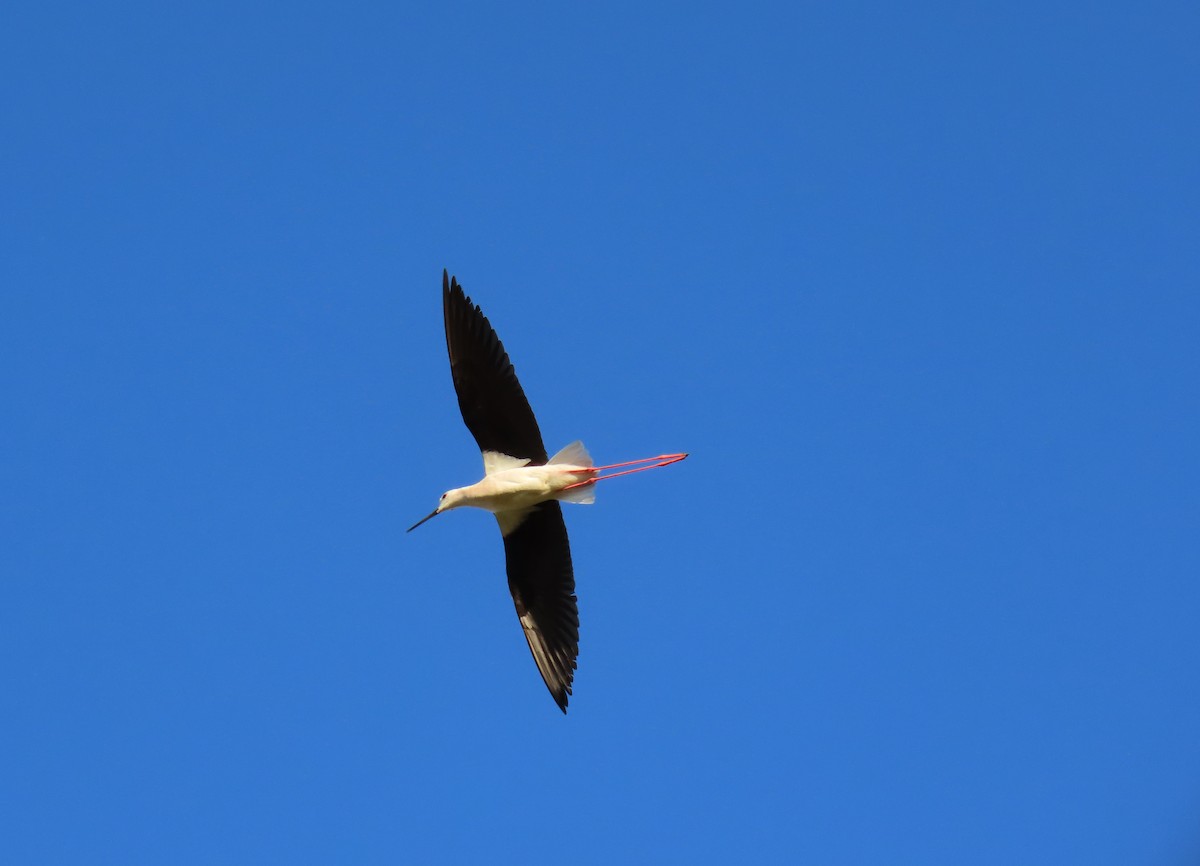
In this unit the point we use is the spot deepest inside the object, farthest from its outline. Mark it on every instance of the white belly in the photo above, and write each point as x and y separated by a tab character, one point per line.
522	487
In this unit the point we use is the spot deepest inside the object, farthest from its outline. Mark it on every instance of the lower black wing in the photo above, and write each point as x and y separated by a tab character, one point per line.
542	583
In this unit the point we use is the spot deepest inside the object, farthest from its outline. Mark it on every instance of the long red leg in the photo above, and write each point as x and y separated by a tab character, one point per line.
667	458
664	460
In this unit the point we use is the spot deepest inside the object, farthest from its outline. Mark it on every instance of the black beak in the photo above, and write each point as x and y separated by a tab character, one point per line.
433	513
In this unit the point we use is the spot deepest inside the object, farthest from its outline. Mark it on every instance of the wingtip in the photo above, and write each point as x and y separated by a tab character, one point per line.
451	285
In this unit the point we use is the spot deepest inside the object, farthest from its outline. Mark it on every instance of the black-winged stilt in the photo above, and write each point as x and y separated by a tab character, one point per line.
522	487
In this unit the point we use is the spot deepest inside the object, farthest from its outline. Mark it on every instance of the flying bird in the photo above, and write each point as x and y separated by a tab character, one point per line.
522	487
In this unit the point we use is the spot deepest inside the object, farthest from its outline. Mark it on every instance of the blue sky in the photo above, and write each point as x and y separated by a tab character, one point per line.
916	287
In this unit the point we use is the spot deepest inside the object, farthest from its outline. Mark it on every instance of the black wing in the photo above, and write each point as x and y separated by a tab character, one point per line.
543	588
489	396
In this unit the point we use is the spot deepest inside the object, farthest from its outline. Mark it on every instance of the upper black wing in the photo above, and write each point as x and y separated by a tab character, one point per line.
542	582
489	396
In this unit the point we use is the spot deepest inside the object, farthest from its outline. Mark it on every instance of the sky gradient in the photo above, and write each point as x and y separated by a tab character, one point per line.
919	290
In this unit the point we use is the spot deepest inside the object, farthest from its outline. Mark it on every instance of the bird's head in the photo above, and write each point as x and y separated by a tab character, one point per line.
450	499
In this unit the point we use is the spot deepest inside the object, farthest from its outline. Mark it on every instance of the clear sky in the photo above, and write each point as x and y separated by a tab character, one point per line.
919	290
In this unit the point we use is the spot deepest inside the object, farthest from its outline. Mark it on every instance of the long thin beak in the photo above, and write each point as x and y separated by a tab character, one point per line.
433	513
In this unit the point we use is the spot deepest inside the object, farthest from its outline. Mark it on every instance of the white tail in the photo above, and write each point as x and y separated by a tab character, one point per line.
572	455
584	494
583	491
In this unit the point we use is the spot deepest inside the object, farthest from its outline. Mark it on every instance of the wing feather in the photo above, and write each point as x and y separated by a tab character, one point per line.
493	405
542	582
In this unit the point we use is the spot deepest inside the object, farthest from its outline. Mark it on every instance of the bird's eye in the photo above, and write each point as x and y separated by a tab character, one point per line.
443	496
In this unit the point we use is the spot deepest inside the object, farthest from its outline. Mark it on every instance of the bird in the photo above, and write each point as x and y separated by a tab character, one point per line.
522	487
